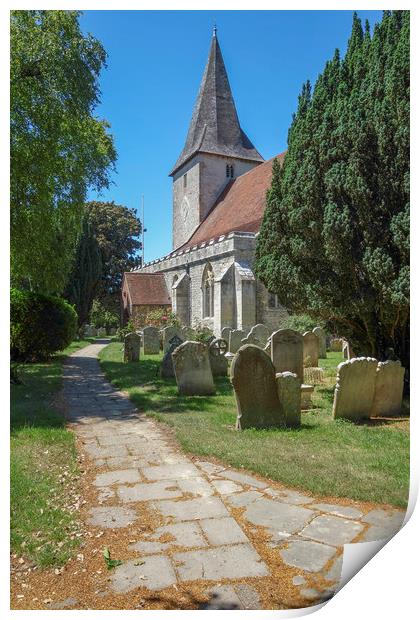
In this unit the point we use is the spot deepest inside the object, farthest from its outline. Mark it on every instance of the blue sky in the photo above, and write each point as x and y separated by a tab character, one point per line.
155	63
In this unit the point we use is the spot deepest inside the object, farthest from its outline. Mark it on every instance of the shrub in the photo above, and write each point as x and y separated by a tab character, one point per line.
161	317
40	325
123	331
301	323
101	317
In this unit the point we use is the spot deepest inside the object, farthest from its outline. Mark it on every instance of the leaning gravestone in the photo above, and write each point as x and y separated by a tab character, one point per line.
288	390
151	342
261	333
132	347
388	389
322	341
168	333
254	382
355	388
225	333
311	348
235	338
218	361
287	351
192	369
167	365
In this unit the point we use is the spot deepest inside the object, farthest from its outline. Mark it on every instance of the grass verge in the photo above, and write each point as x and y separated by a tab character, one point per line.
368	461
43	466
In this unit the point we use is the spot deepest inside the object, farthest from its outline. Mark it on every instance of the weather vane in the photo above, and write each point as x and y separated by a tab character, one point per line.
214	29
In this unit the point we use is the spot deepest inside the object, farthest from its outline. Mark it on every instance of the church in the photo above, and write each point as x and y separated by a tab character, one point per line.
219	188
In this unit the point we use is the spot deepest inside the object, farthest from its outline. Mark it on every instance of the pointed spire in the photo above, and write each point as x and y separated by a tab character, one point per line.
214	126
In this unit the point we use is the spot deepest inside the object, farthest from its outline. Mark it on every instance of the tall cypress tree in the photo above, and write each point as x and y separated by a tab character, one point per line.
334	239
86	273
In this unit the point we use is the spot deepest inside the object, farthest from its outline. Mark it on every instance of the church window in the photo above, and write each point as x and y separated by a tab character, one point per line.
229	171
185	180
208	292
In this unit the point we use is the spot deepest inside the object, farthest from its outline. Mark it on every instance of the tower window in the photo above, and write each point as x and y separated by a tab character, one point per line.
185	180
229	171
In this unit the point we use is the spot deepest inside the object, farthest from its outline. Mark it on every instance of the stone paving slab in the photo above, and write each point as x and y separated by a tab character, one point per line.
237	476
184	534
243	499
196	486
190	509
308	555
232	562
238	596
277	516
116	476
150	490
226	487
111	517
332	530
171	472
224	531
347	512
153	572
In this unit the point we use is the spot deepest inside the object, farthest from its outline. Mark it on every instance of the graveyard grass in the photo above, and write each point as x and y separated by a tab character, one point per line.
41	451
367	461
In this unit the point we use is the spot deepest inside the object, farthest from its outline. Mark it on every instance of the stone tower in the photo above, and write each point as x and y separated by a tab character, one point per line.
216	150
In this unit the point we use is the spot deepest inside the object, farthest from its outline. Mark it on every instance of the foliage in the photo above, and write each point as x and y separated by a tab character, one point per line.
86	273
117	231
58	147
40	325
202	333
334	239
101	317
300	322
160	317
126	329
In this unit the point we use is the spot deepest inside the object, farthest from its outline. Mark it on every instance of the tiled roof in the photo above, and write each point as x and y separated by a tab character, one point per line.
214	126
240	207
147	289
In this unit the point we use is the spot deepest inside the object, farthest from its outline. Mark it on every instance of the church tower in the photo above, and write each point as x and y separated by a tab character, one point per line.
216	150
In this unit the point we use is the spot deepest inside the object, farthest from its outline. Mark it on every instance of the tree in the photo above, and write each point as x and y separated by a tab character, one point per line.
86	273
334	239
117	230
58	147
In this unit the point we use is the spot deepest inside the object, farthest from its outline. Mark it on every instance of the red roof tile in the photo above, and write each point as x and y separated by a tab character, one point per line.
147	289
240	207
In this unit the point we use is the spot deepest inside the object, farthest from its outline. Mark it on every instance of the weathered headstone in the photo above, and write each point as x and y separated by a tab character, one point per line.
288	390
388	389
355	388
102	332
336	344
287	351
88	331
311	348
218	361
347	350
306	392
322	341
168	333
254	382
252	339
225	333
235	338
167	365
151	344
187	333
261	333
131	347
192	369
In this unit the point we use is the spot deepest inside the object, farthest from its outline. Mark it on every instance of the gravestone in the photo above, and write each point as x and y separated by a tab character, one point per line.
355	388
261	333
306	392
254	382
168	333
102	332
288	390
151	344
131	347
252	339
389	386
167	365
311	348
235	338
218	361
225	333
347	350
322	341
336	344
112	331
192	369
88	331
287	351
187	333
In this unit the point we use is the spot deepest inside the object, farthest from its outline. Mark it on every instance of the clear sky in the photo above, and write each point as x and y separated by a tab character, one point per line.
156	60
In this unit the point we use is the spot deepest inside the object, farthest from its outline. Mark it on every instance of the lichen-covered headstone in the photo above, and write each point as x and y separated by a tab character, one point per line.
252	339
218	361
167	365
254	382
311	348
288	390
235	338
151	340
225	333
131	347
336	344
187	333
192	369
347	350
287	351
322	341
355	388
261	333
168	333
389	386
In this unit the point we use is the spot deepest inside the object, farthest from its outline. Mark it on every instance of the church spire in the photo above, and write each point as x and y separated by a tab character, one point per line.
214	126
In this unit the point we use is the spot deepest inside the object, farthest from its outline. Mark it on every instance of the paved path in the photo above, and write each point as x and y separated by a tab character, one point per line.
206	519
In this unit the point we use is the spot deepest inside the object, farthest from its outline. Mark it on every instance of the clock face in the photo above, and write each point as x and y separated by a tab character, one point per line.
185	209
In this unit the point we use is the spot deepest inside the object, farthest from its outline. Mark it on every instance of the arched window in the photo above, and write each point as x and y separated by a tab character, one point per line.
208	292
